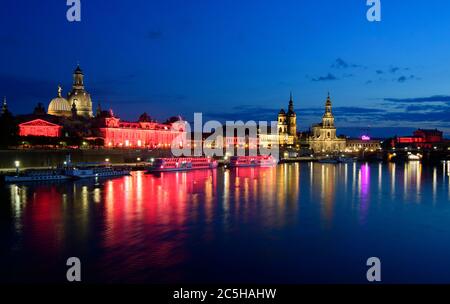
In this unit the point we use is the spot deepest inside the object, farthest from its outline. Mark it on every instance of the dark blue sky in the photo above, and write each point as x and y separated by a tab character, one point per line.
236	59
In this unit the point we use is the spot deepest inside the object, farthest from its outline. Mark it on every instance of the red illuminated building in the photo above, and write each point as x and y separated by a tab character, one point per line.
150	134
424	139
72	119
39	127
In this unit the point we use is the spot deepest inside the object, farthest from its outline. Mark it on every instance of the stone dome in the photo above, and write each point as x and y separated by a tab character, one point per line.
79	96
59	106
82	100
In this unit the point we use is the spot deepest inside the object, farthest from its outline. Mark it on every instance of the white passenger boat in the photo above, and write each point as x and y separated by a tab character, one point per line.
181	164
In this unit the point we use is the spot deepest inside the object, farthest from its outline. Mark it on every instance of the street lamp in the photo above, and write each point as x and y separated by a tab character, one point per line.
17	165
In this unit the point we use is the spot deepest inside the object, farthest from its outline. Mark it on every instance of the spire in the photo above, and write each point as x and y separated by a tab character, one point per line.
78	69
99	109
59	91
291	105
328	106
328	102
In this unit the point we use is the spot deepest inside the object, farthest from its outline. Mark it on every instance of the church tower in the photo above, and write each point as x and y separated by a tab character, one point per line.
282	123
291	118
79	95
328	118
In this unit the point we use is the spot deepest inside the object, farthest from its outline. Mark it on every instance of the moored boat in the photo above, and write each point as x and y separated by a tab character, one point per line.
253	161
328	161
181	164
95	172
36	176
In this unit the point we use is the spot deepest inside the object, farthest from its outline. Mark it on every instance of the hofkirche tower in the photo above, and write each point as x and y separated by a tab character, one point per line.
79	96
287	124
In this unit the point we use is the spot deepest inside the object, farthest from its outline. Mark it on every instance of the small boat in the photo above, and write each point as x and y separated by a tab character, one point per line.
181	164
345	160
95	172
253	161
36	176
328	161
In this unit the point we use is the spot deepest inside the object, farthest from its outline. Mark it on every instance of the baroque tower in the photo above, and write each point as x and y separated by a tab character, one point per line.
328	118
292	118
79	96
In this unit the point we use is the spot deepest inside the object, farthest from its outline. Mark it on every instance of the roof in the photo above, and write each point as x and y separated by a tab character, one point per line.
39	122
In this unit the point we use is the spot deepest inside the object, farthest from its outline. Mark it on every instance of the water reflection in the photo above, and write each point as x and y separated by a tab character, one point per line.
161	228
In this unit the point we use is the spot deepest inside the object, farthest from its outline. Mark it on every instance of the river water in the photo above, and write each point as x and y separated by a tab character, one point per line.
294	223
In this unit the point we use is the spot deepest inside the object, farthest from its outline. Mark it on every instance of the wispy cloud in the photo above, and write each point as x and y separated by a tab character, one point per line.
434	98
328	77
403	78
340	63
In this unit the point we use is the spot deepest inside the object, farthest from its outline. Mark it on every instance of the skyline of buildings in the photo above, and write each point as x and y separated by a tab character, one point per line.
70	122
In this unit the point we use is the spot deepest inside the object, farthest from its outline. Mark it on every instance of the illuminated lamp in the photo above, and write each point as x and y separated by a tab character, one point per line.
17	164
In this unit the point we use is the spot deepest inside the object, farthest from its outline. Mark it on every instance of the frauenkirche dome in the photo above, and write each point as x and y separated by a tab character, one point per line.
79	95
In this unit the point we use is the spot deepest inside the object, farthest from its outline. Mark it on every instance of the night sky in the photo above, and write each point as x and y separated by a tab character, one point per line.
236	59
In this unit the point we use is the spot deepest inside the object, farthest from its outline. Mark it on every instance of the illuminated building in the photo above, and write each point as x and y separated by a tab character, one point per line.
287	125
144	133
59	106
39	127
72	118
323	136
79	97
365	143
422	139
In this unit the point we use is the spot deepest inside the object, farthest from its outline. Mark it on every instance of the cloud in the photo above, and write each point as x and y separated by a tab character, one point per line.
407	116
393	70
246	113
328	77
379	72
434	98
339	63
403	78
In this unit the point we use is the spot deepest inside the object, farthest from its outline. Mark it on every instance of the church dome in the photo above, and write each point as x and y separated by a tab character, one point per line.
59	106
79	96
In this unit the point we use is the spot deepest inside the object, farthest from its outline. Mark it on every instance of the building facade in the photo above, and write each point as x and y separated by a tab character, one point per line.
365	143
141	134
323	138
421	139
39	127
